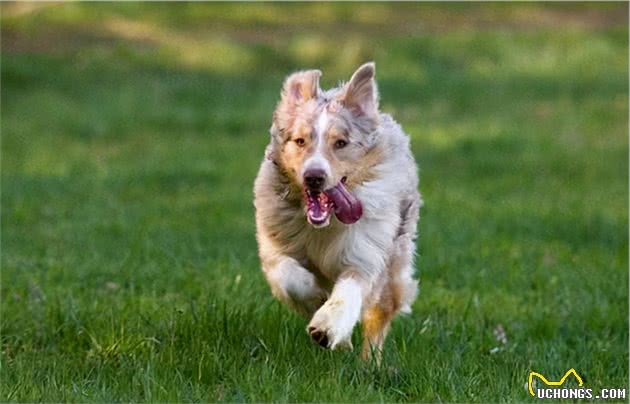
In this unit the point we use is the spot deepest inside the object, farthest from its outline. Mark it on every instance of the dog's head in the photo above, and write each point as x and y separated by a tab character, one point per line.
321	138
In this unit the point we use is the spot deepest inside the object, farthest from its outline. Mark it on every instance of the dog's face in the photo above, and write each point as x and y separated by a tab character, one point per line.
320	140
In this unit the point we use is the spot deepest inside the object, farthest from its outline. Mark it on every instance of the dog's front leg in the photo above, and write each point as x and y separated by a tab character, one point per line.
331	326
293	284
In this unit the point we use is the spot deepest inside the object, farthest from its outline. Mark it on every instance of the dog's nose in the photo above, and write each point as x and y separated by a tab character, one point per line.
314	179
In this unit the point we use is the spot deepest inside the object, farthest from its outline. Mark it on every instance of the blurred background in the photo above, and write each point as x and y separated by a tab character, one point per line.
131	136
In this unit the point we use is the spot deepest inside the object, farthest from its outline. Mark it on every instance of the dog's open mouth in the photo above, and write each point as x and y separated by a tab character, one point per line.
320	205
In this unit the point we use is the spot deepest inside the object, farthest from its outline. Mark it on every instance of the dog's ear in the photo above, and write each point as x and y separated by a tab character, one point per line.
301	86
360	94
297	89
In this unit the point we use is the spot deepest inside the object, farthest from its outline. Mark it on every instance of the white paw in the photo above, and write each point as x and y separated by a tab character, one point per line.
331	326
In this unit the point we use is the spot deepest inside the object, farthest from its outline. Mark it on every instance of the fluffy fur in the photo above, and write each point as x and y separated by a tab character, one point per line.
336	274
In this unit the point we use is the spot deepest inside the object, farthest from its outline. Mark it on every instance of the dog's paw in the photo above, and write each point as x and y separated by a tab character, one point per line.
330	329
322	339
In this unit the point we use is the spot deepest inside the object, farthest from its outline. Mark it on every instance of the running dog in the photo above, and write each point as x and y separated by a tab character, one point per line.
337	206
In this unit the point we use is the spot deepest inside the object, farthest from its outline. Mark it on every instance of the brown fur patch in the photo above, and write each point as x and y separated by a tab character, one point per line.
374	319
375	324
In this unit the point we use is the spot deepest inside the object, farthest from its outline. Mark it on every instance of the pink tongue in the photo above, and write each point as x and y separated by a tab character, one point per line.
348	208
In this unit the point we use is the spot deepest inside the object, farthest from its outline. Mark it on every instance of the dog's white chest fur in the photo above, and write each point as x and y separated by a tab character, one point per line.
323	249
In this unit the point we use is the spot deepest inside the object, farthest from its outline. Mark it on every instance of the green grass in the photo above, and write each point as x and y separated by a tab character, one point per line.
131	136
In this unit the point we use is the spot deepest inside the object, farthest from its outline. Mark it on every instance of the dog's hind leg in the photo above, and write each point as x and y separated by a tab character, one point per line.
396	296
375	323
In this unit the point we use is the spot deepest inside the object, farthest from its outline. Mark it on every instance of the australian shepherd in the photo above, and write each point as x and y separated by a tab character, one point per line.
337	206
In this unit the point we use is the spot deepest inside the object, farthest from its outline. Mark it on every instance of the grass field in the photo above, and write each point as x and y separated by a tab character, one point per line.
131	136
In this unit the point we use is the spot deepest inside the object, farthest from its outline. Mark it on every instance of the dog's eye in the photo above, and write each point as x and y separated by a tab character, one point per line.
340	144
299	141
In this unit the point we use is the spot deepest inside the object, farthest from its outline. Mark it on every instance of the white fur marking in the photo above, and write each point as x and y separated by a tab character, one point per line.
317	160
349	295
292	278
321	124
289	280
